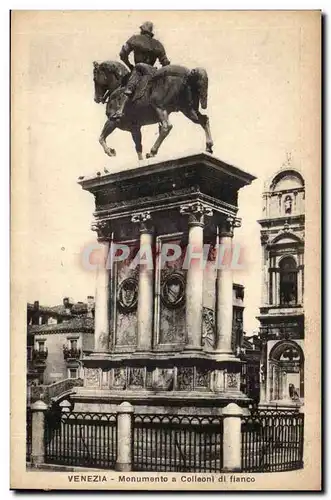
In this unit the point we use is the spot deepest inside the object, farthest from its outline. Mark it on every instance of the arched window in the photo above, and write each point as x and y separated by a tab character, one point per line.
286	370
288	281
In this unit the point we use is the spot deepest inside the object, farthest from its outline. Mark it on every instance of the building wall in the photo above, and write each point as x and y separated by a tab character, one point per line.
57	368
281	313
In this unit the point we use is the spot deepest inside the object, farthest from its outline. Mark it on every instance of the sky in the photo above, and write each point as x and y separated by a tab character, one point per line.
256	69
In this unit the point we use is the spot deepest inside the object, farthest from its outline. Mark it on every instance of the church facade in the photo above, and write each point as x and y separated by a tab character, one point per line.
282	309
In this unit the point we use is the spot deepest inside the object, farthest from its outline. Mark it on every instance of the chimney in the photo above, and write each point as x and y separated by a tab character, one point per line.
67	305
36	313
90	306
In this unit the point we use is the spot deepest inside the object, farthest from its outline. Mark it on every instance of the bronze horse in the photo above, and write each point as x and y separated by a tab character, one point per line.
161	92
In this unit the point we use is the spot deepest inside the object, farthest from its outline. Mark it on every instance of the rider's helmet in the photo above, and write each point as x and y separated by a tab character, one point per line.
147	27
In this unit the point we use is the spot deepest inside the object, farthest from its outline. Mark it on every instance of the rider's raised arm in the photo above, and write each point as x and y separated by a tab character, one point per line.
163	56
125	52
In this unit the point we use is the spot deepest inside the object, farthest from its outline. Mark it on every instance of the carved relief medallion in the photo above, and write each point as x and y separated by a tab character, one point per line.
127	296
173	290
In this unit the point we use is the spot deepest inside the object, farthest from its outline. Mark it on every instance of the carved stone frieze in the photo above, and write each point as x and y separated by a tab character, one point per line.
233	380
105	379
202	378
185	378
119	378
136	377
92	377
208	328
163	379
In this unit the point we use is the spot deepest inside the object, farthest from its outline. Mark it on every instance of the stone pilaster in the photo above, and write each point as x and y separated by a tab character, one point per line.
224	288
196	212
101	325
146	282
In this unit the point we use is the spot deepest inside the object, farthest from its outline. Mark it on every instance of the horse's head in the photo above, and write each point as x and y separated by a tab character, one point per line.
107	76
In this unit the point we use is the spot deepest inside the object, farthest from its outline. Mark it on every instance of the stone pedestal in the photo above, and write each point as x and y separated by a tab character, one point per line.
38	409
232	437
124	437
158	356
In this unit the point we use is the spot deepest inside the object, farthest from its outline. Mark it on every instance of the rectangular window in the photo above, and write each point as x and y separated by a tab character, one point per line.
41	345
73	344
73	373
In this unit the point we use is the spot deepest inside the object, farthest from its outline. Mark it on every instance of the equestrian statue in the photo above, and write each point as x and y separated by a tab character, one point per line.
144	95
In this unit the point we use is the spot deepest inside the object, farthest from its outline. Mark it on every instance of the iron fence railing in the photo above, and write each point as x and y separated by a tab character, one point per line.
177	443
272	441
81	439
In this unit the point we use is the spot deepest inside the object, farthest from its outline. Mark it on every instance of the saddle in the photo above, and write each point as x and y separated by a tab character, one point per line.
157	75
142	84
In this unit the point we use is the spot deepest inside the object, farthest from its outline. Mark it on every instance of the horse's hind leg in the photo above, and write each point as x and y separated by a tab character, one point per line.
203	120
164	130
108	128
136	136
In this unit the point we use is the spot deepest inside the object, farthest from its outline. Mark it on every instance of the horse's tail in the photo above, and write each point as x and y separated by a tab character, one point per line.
199	80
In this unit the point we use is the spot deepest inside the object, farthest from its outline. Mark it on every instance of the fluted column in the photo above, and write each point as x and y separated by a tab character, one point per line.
196	212
224	288
146	282
101	315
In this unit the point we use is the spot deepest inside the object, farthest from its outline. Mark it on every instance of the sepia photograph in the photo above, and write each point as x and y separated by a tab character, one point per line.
165	185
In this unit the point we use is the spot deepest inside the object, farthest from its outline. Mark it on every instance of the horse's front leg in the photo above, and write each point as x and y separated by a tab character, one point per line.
136	136
108	128
164	130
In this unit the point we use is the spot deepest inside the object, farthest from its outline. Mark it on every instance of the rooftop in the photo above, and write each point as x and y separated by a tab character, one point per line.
82	324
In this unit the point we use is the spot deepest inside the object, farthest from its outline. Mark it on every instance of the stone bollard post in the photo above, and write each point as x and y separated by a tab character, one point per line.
38	428
124	437
232	414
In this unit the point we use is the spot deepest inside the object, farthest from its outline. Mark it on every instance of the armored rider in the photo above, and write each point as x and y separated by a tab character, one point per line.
146	50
